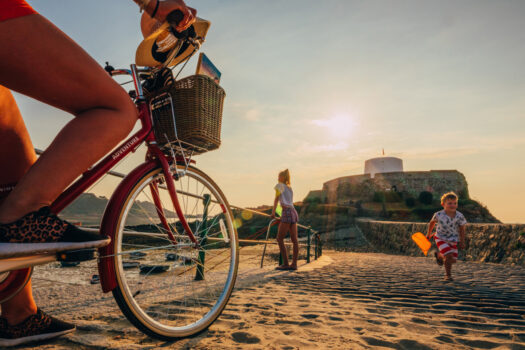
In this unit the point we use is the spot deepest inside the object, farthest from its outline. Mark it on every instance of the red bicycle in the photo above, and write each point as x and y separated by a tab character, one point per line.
173	257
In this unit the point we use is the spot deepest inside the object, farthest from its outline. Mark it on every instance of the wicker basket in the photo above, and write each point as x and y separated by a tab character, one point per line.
190	112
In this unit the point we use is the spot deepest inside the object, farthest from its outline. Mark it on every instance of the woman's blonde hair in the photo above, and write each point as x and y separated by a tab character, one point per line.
285	174
448	195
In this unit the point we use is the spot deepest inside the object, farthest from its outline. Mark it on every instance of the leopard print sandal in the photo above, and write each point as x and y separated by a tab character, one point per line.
36	327
42	226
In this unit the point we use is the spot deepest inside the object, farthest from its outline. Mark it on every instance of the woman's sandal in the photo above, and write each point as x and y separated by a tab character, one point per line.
43	226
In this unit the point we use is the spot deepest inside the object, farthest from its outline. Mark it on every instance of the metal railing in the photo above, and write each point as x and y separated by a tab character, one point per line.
307	241
317	243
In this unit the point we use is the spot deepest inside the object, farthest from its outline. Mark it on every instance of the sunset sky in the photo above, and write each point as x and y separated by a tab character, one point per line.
320	86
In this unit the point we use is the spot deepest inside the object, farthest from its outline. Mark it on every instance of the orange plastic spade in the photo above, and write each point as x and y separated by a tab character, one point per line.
422	242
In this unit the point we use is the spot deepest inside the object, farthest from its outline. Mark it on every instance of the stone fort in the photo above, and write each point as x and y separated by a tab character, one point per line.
386	174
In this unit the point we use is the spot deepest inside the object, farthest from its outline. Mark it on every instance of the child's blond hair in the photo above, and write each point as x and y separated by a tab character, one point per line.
285	174
448	195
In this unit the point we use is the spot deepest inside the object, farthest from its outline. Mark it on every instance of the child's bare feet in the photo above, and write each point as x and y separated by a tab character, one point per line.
283	267
292	267
439	259
448	278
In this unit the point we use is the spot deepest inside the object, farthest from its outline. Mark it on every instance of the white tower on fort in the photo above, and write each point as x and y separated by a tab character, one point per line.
383	165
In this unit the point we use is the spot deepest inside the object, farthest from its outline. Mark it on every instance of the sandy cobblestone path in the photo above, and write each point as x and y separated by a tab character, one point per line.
354	301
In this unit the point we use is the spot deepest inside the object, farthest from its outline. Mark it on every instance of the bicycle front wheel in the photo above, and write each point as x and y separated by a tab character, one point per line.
168	287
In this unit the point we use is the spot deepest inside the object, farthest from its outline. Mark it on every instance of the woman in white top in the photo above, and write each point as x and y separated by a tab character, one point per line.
289	218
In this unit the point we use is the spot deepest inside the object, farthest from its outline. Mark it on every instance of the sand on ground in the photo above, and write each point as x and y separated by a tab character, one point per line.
342	301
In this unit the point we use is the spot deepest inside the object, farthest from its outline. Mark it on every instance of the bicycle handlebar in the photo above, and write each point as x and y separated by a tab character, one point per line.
186	37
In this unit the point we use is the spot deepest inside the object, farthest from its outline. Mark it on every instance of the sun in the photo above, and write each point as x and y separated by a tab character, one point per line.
340	126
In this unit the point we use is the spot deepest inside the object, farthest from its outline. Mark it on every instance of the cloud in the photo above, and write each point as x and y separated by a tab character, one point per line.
252	115
308	148
437	154
441	153
339	126
483	145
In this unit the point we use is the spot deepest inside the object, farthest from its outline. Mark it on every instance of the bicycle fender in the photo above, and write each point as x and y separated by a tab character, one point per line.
106	263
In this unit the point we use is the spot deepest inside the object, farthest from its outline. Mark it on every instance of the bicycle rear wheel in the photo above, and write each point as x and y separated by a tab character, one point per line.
172	290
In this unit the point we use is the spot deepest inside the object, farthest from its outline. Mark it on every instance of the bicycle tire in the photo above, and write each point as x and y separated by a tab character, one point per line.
12	282
126	299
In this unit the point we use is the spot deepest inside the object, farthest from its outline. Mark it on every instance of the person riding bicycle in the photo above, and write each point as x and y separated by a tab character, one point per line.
40	61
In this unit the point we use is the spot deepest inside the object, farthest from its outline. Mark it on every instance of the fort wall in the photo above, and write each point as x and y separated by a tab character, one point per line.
408	182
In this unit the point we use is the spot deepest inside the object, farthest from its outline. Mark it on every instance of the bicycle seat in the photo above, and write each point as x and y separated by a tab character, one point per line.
152	50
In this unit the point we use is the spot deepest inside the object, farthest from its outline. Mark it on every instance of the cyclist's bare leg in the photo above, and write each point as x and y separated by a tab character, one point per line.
283	230
40	61
17	153
20	307
16	157
294	239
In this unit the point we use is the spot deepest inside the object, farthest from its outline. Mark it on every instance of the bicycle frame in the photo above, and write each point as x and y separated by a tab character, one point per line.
155	157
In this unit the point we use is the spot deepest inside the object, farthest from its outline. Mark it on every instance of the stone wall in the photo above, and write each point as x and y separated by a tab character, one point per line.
410	182
497	243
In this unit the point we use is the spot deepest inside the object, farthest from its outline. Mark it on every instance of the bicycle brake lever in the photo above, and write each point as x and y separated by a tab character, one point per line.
109	68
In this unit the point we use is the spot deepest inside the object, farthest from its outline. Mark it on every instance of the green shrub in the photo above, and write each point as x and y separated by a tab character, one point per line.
313	200
426	197
463	202
379	197
359	208
392	196
425	213
410	202
384	212
387	196
463	193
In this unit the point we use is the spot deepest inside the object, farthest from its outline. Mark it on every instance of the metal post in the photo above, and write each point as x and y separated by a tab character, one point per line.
308	247
199	274
316	247
267	237
320	245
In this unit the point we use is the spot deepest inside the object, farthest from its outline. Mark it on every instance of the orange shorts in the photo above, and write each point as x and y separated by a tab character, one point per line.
14	8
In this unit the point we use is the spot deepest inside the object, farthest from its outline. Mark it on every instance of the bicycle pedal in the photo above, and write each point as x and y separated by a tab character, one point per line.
76	255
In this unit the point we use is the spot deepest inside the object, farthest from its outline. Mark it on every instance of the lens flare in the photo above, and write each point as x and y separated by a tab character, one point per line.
246	215
237	222
340	126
